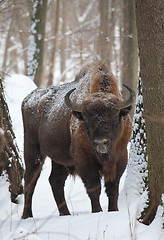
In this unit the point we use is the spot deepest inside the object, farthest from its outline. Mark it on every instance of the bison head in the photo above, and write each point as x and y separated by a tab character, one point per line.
102	115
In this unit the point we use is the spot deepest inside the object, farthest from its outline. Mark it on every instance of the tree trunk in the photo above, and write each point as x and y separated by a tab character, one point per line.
104	38
112	40
130	48
36	45
23	37
150	24
137	174
63	41
55	47
7	44
10	161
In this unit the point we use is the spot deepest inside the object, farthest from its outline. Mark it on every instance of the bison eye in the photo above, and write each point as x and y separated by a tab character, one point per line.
86	124
78	115
125	111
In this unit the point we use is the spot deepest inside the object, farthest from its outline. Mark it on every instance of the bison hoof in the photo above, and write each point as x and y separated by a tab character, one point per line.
113	209
27	215
64	214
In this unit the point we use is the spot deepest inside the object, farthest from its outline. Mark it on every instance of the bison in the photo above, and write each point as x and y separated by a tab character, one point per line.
84	127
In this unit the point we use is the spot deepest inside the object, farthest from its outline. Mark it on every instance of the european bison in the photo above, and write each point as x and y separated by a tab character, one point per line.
84	127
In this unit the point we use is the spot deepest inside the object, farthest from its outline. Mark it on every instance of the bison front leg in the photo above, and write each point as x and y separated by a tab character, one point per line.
91	180
112	189
57	181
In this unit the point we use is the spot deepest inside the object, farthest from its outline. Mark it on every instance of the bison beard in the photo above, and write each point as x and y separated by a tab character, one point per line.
109	171
84	127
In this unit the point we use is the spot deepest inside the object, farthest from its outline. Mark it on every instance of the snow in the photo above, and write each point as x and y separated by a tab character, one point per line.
137	173
81	225
16	88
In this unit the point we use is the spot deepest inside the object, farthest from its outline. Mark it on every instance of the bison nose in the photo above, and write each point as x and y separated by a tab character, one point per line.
101	146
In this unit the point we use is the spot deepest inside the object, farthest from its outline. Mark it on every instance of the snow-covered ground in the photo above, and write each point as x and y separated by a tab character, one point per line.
81	225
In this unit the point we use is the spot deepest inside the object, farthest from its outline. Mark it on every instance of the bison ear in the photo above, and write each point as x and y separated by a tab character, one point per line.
78	115
125	111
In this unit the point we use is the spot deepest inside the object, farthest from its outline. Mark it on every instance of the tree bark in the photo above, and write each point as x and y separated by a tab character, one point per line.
10	160
22	36
63	40
7	44
55	46
150	25
130	48
104	38
36	45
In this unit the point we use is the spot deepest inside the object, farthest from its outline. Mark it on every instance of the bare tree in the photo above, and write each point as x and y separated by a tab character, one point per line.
130	48
149	15
63	40
36	45
10	161
82	31
14	32
104	35
7	43
55	44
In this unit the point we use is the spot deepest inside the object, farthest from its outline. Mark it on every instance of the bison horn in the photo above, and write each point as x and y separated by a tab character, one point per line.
73	106
127	103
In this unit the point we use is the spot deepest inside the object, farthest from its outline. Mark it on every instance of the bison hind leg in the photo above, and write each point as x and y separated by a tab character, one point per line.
34	162
57	181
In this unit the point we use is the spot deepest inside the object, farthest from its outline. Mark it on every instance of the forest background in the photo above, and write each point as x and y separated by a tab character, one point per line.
72	34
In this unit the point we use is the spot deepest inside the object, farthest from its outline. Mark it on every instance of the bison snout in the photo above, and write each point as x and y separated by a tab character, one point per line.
101	146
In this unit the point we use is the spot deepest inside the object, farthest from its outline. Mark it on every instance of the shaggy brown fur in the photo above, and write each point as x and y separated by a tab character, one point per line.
104	83
85	134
